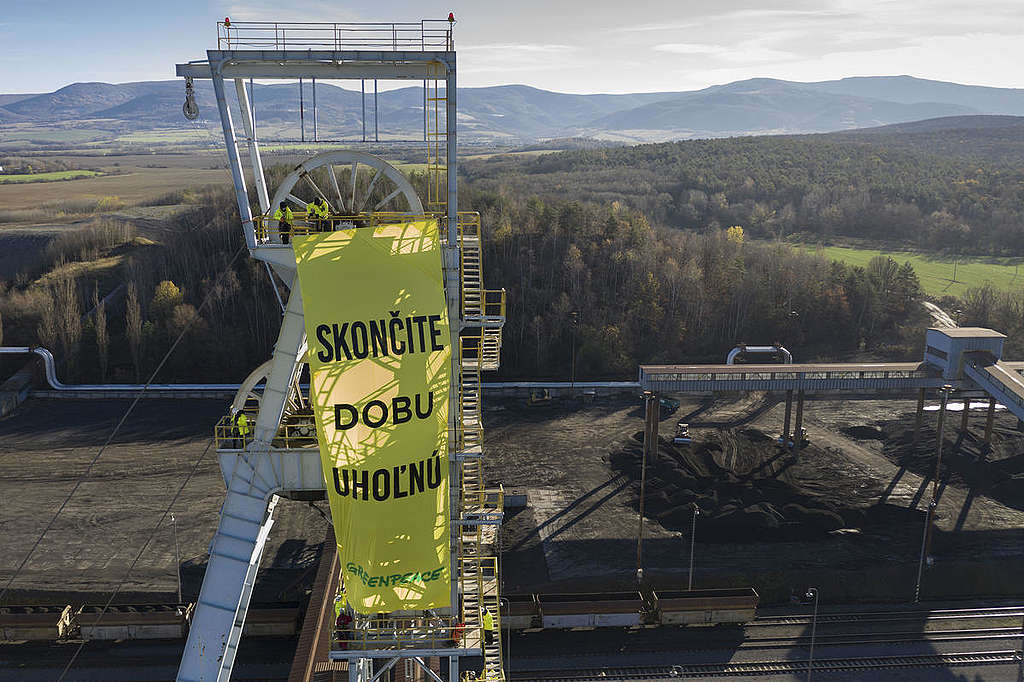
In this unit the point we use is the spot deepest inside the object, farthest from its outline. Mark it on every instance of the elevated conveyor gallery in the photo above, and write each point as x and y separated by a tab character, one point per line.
966	359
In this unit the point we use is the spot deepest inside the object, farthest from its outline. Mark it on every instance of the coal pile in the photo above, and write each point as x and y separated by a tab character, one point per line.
751	498
995	470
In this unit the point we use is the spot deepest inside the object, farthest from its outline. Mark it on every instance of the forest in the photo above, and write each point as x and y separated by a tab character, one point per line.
611	257
815	188
591	283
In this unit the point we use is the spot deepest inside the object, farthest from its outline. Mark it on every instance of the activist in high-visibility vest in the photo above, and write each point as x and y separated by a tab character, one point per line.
488	623
316	214
241	428
243	424
284	217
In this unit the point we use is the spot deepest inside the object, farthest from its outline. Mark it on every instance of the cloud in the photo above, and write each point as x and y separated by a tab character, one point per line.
690	48
292	11
510	48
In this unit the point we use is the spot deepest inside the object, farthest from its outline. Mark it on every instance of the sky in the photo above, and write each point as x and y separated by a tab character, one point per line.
580	46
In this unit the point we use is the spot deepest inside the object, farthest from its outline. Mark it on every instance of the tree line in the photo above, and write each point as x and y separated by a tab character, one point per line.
814	188
594	283
601	285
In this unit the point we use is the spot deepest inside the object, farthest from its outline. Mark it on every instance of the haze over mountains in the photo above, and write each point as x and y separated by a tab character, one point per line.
518	113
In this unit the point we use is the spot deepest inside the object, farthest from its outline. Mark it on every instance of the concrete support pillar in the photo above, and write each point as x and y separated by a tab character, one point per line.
965	416
453	668
786	420
989	420
919	417
799	425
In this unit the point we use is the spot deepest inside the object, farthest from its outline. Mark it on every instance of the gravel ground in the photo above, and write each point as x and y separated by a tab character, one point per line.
47	444
579	530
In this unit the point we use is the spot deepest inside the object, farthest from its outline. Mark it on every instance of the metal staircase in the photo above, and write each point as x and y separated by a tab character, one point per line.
480	508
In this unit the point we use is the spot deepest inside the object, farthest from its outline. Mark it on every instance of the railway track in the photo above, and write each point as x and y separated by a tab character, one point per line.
752	668
891	616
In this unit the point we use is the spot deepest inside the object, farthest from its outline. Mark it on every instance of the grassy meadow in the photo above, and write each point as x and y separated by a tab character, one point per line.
936	270
23	178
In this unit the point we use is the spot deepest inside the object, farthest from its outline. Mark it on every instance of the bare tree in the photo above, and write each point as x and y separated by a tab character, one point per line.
133	327
69	321
46	332
102	334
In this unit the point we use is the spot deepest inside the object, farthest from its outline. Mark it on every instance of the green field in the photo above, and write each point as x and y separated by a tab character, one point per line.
164	136
22	178
936	271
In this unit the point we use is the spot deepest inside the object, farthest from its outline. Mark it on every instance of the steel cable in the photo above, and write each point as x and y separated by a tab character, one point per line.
82	477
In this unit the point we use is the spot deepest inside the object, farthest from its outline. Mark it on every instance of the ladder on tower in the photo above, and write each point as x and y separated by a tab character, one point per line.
436	135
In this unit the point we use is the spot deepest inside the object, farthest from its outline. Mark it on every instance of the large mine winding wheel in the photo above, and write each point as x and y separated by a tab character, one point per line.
354	184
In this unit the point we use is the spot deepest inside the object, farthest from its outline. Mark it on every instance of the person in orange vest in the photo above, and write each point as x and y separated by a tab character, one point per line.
457	632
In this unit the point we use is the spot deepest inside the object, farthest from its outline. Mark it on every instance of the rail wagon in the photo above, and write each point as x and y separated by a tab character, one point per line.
144	621
34	622
629	609
706	607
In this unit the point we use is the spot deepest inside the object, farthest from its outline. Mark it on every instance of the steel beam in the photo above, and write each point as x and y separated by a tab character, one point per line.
249	125
241	194
919	416
989	420
788	417
320	64
799	424
451	120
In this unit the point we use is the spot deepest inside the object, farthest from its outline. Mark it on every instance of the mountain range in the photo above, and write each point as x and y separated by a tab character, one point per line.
519	113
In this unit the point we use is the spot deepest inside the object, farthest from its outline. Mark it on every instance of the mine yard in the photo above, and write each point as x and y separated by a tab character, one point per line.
739	393
843	513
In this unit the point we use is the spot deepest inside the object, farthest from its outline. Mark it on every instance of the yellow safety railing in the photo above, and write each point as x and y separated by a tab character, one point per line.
494	303
298	431
479	576
437	145
302	224
438	632
482	501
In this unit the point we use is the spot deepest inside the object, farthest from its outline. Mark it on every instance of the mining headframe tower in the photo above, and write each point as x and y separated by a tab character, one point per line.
278	440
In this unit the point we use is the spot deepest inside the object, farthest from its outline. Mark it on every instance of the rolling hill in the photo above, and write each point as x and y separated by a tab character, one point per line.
518	113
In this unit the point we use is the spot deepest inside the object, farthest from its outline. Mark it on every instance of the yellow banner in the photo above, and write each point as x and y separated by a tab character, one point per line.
379	354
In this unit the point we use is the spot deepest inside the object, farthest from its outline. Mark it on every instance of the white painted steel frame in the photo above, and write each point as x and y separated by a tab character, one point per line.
258	473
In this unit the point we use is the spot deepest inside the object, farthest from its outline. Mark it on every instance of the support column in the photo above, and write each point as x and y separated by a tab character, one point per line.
451	118
235	163
302	114
249	125
786	420
798	427
650	442
989	420
966	416
919	417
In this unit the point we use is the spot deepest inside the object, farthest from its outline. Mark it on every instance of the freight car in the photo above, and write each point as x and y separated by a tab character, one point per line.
629	609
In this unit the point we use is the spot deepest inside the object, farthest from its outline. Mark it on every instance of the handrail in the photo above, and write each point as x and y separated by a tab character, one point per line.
425	35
